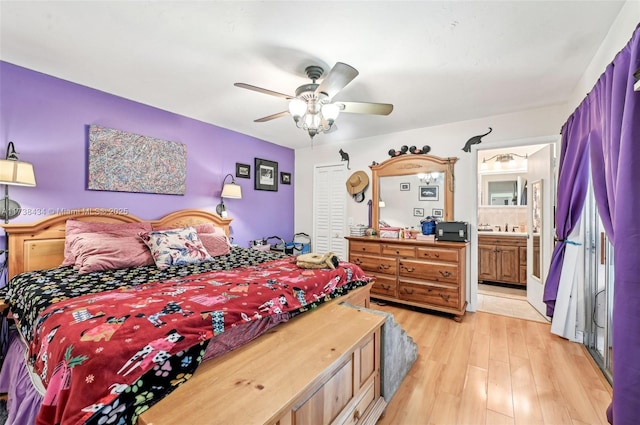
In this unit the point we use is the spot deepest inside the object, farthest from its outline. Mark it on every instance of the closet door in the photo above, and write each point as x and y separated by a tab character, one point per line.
329	210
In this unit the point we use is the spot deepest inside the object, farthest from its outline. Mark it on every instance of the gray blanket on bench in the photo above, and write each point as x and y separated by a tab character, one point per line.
399	353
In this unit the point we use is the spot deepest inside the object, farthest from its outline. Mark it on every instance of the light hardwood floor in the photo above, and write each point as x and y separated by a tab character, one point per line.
492	369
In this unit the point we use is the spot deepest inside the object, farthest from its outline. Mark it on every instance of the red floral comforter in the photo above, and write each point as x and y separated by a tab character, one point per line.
107	357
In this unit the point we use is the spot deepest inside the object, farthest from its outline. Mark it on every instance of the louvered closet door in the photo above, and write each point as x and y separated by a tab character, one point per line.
329	210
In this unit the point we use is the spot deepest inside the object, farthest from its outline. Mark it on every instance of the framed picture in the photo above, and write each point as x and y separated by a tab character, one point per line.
243	170
418	212
429	193
266	175
437	212
285	178
405	186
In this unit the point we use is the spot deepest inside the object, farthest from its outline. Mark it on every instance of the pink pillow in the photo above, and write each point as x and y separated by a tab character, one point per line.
76	227
215	244
103	251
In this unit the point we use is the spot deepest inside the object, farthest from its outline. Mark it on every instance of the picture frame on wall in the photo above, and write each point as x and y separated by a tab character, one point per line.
266	175
243	171
405	186
418	212
285	178
429	193
437	212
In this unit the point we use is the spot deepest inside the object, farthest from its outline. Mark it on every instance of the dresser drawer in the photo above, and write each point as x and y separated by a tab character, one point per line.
399	250
429	294
375	264
438	254
435	272
384	285
368	247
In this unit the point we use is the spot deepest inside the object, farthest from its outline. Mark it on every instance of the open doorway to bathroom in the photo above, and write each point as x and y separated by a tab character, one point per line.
510	229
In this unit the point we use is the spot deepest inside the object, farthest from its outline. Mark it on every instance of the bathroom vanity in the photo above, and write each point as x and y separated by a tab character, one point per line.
502	257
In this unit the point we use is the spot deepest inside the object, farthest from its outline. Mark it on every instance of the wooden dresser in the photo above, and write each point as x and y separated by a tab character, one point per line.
502	258
431	275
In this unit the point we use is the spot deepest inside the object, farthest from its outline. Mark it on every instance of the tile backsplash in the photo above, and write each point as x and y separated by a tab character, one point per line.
499	216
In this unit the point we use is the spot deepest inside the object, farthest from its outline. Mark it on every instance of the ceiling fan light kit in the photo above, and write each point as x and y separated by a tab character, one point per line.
312	108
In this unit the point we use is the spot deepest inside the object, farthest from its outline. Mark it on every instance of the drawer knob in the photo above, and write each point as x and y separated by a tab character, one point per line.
384	267
356	415
408	269
437	255
445	273
408	291
357	261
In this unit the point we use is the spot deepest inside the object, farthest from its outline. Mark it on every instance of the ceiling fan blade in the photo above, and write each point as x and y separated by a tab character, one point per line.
272	117
340	75
261	90
365	108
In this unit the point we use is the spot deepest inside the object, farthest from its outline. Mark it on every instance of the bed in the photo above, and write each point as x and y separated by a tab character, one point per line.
106	343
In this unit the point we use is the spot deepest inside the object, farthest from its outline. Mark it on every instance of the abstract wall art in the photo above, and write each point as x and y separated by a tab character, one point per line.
120	161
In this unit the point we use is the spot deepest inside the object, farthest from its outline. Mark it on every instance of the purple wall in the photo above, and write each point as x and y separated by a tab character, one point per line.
47	119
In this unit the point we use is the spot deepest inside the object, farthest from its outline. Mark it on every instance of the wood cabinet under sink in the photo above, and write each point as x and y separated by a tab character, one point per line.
502	258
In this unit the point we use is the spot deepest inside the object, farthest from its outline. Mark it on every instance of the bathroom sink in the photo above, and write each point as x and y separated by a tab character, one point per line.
494	233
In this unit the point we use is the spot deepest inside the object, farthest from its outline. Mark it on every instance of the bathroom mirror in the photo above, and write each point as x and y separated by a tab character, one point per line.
508	189
409	188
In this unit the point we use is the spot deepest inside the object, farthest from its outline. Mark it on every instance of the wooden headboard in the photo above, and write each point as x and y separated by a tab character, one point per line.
40	245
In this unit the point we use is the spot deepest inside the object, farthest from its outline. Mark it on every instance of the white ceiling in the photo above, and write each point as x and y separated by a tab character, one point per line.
436	61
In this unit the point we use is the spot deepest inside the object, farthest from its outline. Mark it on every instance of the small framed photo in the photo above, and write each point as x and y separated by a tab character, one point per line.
405	186
418	212
285	178
243	170
429	193
266	175
437	212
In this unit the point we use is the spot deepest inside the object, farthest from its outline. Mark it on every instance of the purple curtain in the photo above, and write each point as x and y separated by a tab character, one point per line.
615	159
608	122
573	180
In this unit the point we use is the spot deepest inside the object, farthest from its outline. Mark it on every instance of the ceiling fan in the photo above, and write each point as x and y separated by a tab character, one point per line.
313	108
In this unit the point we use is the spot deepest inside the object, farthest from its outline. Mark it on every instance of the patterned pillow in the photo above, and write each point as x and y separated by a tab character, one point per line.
200	228
175	247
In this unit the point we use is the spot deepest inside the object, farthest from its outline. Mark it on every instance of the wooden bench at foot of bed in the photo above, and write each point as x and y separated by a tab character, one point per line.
322	367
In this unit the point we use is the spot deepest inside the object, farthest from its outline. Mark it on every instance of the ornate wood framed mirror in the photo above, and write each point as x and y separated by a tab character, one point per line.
409	188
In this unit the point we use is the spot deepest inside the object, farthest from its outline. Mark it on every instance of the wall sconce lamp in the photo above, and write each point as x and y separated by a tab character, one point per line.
229	190
16	173
503	159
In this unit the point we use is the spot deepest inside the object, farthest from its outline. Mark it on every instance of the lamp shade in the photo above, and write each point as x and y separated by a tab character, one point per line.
297	107
17	173
232	191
